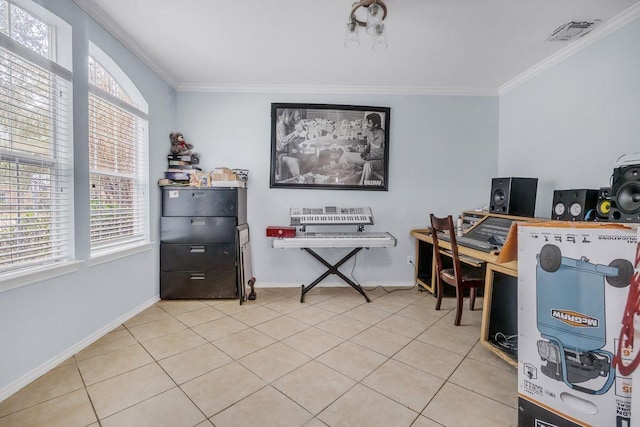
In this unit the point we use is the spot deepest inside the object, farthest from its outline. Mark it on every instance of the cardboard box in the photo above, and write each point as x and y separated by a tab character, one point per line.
221	170
573	283
224	177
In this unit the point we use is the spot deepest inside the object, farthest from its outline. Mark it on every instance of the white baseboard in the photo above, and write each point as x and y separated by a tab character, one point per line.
26	379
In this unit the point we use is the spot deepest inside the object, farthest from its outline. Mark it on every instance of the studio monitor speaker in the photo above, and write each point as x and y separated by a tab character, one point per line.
603	208
625	194
513	196
574	205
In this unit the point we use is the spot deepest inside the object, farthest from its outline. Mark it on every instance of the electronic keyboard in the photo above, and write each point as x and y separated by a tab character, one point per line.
357	239
330	215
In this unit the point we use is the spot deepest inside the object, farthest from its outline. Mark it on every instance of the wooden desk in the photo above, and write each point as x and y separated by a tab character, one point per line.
500	293
425	277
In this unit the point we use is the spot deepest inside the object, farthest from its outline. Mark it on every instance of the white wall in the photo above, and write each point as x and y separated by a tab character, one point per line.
568	125
44	322
443	154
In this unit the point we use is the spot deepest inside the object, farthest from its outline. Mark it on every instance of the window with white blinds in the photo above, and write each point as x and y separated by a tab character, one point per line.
118	144
36	165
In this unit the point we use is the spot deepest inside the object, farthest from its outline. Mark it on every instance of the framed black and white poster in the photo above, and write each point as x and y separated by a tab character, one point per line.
325	146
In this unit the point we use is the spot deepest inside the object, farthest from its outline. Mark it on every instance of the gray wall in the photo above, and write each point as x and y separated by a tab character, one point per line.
568	125
442	152
45	322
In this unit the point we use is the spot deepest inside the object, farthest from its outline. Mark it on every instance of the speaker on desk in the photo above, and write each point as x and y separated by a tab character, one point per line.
625	194
603	207
574	205
513	196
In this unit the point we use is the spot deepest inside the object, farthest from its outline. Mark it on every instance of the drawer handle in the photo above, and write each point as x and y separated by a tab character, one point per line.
197	276
197	249
197	221
198	194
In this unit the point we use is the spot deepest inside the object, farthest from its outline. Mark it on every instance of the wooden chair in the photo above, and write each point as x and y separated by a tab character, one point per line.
462	278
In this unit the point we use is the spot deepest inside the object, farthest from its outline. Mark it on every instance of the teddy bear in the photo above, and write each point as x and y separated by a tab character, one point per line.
179	145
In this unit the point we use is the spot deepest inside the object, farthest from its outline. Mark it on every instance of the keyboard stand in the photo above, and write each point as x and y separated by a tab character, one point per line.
333	269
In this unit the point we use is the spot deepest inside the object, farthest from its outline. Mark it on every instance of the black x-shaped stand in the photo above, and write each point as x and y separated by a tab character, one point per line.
333	269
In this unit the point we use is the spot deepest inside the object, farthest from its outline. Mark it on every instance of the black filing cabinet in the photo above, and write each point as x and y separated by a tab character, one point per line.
199	247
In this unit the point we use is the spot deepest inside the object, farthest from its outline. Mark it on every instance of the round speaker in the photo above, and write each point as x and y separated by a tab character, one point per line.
559	209
498	197
628	198
575	209
632	174
603	208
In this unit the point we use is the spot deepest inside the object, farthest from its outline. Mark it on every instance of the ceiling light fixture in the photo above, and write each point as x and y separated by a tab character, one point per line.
376	13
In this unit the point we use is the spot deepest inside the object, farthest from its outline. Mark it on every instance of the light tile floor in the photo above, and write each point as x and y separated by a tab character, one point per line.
332	361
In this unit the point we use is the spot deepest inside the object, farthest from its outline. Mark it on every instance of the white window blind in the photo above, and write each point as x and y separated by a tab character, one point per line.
36	174
118	144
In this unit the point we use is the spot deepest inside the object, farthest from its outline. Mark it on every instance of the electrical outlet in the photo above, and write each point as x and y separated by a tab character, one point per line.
410	259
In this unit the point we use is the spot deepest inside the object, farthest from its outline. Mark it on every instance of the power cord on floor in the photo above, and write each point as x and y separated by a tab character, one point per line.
509	342
415	283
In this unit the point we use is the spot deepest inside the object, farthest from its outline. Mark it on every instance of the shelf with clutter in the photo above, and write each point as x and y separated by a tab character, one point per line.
183	169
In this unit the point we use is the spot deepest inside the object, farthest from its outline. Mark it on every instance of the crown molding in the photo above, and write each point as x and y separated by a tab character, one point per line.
354	90
104	20
598	33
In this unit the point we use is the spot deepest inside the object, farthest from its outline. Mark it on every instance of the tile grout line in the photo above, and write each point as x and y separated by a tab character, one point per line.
287	315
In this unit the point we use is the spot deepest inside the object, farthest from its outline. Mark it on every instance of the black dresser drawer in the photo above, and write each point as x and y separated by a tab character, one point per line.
204	202
220	229
192	257
198	285
199	242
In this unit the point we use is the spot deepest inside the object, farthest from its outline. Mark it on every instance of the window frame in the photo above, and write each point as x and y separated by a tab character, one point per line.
101	253
58	65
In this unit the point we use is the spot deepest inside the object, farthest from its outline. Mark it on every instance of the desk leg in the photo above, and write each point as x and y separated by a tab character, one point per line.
500	311
333	269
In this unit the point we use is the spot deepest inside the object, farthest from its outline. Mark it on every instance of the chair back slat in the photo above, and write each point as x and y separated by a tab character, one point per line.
471	281
445	225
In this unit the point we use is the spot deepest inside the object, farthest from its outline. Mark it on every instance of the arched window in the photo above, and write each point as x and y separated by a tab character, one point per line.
118	159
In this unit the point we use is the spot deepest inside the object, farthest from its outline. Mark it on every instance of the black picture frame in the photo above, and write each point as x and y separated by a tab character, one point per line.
327	146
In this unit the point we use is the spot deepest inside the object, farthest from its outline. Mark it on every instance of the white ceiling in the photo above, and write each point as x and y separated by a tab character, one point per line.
435	46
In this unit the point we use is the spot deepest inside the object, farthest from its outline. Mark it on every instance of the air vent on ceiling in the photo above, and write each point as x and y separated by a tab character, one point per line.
573	30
